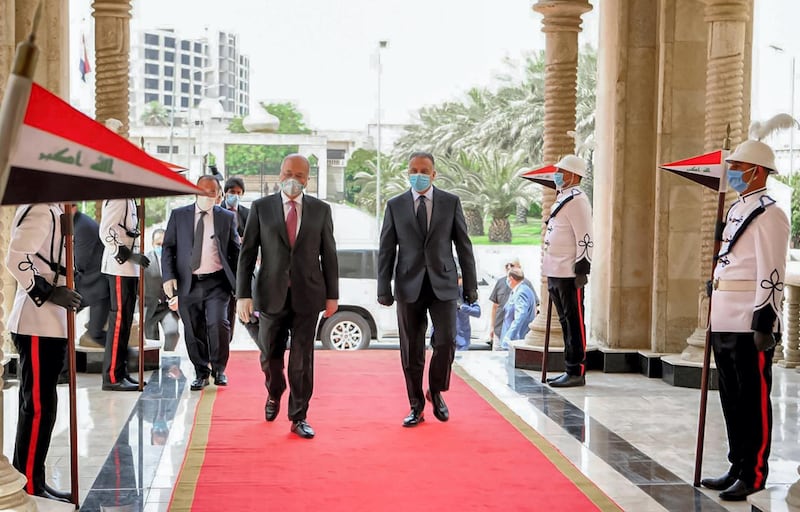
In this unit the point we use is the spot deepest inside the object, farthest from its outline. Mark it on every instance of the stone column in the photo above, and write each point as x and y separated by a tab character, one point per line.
625	159
791	335
561	24
112	53
727	22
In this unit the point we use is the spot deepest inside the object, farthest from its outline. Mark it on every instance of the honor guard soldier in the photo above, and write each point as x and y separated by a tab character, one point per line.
38	325
119	232
566	263
746	312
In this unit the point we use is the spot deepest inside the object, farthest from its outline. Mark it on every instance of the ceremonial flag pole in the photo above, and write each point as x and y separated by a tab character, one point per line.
543	176
71	158
710	170
141	214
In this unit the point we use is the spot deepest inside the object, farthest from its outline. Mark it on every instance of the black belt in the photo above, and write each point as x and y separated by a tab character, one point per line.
203	277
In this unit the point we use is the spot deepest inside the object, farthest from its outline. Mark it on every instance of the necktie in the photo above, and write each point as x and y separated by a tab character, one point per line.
197	245
422	216
291	223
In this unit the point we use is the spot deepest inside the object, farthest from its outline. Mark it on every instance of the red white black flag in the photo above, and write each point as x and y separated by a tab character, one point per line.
542	176
707	170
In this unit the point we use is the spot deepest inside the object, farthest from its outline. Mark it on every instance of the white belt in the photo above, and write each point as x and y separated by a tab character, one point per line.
730	285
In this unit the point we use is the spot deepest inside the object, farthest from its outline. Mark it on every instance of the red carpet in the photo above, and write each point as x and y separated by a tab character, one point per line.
362	458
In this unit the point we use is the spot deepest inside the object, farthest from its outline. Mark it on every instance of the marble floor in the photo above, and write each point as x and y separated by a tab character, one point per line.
633	436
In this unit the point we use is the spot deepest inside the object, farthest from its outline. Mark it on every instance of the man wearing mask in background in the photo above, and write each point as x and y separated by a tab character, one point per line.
198	265
499	296
157	310
119	232
420	228
234	189
746	317
566	262
298	278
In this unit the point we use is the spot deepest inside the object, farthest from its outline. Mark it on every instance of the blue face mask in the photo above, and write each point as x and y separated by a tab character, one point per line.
420	182
736	181
232	200
558	179
157	250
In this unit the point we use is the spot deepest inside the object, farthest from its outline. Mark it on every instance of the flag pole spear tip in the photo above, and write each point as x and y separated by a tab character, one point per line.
726	143
27	51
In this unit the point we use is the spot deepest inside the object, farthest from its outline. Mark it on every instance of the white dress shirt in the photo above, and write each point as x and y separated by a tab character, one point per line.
428	202
209	261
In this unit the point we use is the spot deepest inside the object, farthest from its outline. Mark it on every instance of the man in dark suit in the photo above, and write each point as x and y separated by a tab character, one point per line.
89	281
234	189
198	264
157	310
420	227
298	278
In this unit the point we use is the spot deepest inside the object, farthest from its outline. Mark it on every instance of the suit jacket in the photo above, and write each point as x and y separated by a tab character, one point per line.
406	255
153	283
311	266
241	219
89	281
176	252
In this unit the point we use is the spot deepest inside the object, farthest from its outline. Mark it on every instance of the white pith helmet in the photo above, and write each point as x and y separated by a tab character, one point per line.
573	164
754	152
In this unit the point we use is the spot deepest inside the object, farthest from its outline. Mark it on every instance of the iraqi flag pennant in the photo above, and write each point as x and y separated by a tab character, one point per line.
61	155
543	176
707	170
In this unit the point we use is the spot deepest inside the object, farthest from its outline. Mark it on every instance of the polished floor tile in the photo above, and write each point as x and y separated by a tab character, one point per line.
633	436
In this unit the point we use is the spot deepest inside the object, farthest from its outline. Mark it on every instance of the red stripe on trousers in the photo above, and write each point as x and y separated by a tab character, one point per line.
583	329
759	470
112	376
37	413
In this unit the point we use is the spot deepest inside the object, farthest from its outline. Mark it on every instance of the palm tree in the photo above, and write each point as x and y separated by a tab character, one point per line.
502	191
394	180
155	114
461	176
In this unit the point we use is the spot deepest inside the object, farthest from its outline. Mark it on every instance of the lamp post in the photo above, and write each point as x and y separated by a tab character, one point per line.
779	49
381	44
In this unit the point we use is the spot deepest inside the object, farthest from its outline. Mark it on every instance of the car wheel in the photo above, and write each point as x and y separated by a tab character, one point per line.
345	330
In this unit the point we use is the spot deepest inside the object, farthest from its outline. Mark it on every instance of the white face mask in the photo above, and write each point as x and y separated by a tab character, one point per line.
291	187
205	203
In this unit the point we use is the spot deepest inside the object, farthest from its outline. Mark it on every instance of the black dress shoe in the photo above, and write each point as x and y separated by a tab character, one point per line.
719	484
739	491
414	418
552	379
271	409
302	429
63	378
199	383
123	385
440	410
221	379
61	495
133	381
44	494
568	381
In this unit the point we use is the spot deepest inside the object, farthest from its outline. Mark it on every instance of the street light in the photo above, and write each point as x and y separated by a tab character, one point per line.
381	44
778	49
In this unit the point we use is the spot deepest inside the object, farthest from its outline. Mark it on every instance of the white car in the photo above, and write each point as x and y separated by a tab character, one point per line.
361	319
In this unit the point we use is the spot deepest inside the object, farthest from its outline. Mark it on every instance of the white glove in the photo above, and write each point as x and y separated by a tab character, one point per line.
244	308
170	288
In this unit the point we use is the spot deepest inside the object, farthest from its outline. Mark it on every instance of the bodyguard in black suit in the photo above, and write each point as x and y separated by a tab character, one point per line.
234	190
420	228
298	278
198	264
89	281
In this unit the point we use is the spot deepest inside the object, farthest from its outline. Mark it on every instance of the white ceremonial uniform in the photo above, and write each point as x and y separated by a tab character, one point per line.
568	237
751	266
36	237
118	219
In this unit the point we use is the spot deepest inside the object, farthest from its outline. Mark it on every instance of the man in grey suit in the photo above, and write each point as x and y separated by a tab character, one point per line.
298	278
420	228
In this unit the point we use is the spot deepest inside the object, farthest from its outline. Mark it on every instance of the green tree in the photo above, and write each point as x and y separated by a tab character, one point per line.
155	114
394	180
359	162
